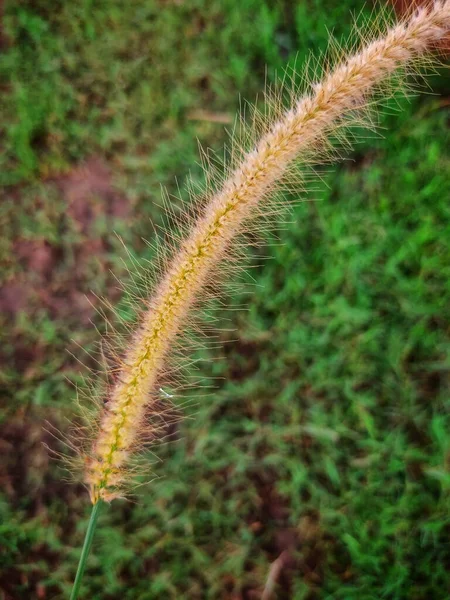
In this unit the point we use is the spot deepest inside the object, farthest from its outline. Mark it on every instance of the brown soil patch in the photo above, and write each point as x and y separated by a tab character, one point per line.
57	277
90	193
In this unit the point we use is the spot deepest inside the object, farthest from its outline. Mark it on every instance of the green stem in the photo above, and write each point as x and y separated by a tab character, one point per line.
85	552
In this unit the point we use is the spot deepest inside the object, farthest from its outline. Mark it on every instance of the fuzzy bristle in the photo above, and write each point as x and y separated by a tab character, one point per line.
301	132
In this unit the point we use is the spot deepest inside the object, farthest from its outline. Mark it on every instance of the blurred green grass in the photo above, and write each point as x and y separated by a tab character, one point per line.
327	438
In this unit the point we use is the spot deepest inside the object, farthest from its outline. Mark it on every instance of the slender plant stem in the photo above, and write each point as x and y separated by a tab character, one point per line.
85	552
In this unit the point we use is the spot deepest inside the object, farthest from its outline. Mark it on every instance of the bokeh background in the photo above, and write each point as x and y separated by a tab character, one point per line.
321	458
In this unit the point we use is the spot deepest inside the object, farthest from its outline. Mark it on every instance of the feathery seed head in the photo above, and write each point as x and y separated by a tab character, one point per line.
300	132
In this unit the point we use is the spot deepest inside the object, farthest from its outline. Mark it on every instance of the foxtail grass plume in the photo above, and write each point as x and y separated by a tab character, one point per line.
300	131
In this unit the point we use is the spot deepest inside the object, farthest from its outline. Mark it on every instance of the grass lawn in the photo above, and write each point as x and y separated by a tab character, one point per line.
324	443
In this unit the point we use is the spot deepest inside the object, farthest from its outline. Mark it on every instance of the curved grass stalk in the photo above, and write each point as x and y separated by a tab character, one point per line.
300	130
